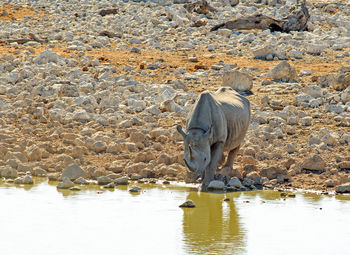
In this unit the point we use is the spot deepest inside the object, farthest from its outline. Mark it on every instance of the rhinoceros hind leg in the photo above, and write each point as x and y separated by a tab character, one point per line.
231	157
222	160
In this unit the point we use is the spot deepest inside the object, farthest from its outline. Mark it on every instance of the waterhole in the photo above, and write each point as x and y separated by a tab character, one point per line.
39	219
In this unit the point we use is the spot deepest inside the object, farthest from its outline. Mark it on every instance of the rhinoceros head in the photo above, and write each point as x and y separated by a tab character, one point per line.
197	150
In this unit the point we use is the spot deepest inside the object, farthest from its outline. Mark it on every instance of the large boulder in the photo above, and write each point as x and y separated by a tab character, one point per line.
338	81
265	52
121	181
34	153
72	172
103	180
283	71
8	172
344	165
314	163
216	185
342	80
237	80
270	172
343	188
235	183
47	57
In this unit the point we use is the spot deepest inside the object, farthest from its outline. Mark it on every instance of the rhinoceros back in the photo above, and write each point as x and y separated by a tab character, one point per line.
236	109
226	112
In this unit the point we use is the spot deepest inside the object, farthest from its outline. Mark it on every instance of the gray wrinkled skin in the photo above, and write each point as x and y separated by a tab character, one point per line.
218	122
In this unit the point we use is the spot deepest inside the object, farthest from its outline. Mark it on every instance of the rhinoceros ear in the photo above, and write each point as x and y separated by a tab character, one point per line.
179	129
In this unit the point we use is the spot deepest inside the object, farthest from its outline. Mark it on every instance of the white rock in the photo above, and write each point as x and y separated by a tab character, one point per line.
305	72
99	146
283	70
335	108
47	57
314	91
121	181
291	147
113	147
81	181
315	49
306	121
235	182
38	171
153	110
125	124
18	181
237	80
82	116
345	95
135	189
224	32
303	99
34	153
314	162
262	53
344	188
188	204
103	180
168	106
217	185
136	105
65	184
28	179
8	172
329	183
295	54
72	172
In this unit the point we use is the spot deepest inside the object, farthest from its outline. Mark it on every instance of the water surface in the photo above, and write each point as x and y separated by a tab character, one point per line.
41	220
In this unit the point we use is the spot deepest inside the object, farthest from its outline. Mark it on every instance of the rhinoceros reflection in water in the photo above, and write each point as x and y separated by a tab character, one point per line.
213	226
218	122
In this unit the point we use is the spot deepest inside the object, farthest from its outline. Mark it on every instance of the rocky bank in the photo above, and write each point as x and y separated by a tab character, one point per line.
95	89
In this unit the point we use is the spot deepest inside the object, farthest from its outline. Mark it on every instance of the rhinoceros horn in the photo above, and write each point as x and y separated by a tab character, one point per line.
190	152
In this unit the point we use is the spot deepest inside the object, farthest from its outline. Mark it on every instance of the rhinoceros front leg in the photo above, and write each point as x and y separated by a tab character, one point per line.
216	151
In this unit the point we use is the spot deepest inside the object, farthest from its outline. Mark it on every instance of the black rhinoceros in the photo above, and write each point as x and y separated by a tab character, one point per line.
218	122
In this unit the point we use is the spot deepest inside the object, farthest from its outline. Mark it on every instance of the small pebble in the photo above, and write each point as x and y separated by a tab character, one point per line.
109	186
75	188
188	204
135	189
283	194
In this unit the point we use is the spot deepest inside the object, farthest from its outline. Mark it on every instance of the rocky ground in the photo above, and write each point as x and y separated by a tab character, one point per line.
95	89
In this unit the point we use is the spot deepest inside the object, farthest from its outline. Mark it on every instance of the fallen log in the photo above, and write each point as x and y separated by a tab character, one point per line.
297	21
31	36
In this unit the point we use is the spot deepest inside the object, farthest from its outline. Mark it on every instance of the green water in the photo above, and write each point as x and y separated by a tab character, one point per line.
41	220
